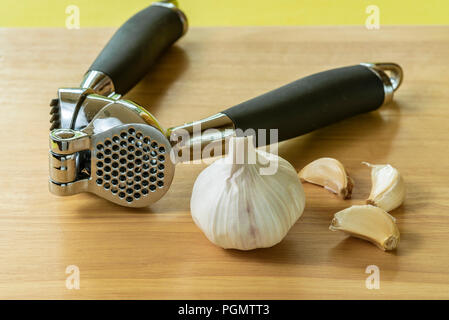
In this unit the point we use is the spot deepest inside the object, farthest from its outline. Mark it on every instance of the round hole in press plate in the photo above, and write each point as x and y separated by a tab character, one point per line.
123	152
99	164
121	194
106	186
100	147
160	184
145	183
137	195
123	135
160	175
129	191
100	155
116	139
114	190
131	140
129	182
114	182
139	136
99	181
122	178
107	152
145	157
115	165
145	174
152	188
161	166
130	157
107	177
130	174
161	158
114	173
123	161
153	170
144	191
137	178
153	153
115	147
115	156
137	187
99	173
122	169
130	165
161	149
107	160
154	144
146	140
152	179
138	153
153	162
129	199
131	131
123	144
131	148
107	143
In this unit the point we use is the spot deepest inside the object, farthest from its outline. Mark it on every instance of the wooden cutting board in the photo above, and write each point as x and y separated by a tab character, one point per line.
158	252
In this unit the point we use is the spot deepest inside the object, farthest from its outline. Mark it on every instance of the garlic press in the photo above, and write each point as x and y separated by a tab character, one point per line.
116	149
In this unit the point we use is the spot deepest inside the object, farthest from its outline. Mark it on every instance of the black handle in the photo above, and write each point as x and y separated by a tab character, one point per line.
134	48
311	102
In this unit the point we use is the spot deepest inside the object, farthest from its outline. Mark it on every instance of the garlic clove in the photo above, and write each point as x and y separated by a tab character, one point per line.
388	188
238	207
369	223
330	174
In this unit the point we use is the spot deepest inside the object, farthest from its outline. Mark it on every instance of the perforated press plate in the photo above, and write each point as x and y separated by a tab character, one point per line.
130	165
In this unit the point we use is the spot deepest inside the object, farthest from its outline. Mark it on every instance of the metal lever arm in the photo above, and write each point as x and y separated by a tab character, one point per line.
134	48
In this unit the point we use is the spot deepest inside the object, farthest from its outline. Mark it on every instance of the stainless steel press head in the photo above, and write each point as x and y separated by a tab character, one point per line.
120	156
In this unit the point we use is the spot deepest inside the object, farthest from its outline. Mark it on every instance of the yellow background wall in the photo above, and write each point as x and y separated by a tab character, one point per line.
51	13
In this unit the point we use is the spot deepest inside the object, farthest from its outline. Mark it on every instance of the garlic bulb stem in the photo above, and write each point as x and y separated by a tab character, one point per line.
242	151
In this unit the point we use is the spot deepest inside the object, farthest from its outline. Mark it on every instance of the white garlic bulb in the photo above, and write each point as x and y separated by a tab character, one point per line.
238	207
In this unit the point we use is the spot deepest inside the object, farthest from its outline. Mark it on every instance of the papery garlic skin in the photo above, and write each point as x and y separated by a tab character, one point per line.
388	187
238	208
330	174
369	223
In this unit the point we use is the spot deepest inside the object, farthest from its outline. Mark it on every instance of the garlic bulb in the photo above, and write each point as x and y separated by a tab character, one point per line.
238	207
369	223
330	174
388	188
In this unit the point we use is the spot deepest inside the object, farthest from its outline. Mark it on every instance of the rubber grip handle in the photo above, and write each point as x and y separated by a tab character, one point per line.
133	49
312	102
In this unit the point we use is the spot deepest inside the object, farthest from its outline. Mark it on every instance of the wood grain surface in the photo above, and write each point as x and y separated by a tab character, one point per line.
158	252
